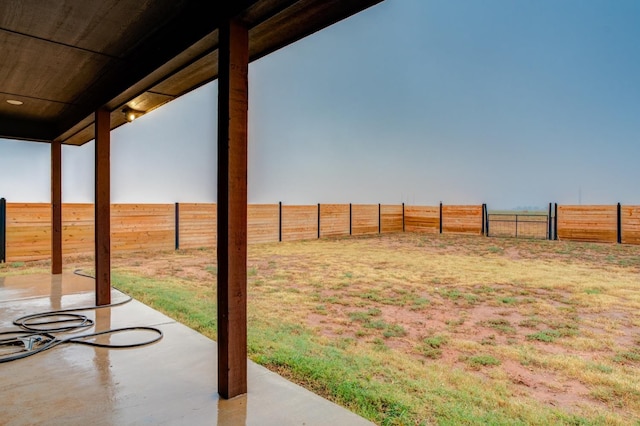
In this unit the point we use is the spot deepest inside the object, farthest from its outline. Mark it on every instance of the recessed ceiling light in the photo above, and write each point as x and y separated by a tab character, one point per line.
14	102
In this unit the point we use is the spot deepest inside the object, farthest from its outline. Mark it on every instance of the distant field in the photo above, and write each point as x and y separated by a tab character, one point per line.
427	329
520	212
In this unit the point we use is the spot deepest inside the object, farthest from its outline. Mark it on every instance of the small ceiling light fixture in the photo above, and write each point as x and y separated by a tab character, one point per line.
14	102
131	114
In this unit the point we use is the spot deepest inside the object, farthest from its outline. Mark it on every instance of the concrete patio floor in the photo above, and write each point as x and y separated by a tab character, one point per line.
171	382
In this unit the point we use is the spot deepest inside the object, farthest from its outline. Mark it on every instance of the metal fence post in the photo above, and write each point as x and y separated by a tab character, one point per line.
441	217
318	220
555	223
280	221
403	217
350	220
549	224
482	226
3	230
486	215
177	225
379	218
619	223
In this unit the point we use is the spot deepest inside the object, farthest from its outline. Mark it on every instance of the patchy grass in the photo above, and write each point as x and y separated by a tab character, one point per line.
21	268
628	356
394	330
482	361
501	325
531	322
544	336
431	346
427	329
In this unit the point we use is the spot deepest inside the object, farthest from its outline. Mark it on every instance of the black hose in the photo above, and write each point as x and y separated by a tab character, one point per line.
20	336
38	331
51	341
26	322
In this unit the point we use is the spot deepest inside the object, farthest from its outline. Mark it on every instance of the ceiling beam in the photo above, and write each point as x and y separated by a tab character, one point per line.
197	20
28	130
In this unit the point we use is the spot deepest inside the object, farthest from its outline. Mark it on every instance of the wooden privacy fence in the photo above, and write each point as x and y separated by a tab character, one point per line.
136	227
278	222
25	228
133	227
606	224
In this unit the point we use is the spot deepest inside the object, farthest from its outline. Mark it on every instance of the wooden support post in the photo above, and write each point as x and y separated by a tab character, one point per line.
233	95
103	207
56	208
3	230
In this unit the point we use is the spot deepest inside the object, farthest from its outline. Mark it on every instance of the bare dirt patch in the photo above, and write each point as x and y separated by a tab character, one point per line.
549	388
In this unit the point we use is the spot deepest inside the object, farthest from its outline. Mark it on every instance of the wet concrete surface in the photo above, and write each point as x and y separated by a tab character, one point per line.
172	382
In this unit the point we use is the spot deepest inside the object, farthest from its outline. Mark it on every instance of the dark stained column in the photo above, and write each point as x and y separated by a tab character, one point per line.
56	208
232	208
103	208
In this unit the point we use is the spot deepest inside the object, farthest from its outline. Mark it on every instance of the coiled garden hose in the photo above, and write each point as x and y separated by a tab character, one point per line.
38	331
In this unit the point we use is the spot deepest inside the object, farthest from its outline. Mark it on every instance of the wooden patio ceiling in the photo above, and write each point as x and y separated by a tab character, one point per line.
65	59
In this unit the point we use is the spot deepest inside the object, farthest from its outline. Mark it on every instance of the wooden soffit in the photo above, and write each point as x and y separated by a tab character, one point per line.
64	59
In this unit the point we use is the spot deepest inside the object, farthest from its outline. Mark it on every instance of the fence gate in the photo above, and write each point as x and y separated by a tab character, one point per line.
519	225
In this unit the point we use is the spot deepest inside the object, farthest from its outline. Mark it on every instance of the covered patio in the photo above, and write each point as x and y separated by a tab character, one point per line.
71	73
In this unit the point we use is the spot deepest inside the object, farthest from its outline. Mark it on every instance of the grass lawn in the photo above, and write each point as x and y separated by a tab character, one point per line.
427	329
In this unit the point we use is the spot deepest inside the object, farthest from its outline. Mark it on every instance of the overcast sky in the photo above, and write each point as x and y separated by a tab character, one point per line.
506	102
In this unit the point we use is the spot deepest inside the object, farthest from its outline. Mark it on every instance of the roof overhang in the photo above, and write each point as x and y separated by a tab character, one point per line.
65	59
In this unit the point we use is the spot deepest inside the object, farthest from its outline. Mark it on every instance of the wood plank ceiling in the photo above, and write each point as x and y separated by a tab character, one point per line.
64	59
